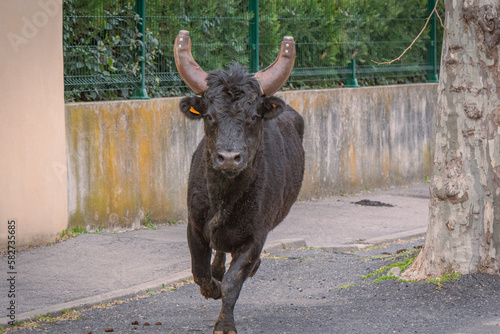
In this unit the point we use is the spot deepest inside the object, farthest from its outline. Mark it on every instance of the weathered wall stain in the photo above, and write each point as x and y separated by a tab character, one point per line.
128	159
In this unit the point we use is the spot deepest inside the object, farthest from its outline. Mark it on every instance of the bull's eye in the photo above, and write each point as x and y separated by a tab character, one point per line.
252	120
209	118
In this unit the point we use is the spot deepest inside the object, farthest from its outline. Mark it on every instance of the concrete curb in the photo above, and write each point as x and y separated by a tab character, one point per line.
277	245
416	233
403	236
134	291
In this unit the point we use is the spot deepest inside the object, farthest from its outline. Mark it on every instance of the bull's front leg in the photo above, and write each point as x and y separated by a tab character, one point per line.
201	254
243	263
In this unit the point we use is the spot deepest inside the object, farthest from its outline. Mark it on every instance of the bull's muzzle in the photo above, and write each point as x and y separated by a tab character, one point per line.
229	162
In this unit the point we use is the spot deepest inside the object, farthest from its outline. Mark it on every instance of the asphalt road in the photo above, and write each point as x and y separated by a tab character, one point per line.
311	291
92	268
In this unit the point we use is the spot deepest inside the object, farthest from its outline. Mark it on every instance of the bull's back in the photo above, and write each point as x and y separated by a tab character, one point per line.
284	155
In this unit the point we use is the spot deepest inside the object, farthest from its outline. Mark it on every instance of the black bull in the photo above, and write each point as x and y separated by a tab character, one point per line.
245	175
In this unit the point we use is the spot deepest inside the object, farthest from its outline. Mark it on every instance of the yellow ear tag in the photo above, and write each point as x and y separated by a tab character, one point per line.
194	111
274	106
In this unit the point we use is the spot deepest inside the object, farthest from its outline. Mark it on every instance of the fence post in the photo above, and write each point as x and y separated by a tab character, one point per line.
140	93
431	51
253	7
351	80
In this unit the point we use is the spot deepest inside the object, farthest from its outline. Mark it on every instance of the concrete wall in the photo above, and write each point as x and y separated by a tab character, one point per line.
33	180
129	159
365	138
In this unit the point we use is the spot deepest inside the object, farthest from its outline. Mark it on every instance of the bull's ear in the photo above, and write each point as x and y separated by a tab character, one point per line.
272	106
192	107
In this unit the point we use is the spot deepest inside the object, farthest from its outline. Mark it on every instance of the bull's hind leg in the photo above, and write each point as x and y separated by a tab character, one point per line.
243	263
200	264
255	267
219	265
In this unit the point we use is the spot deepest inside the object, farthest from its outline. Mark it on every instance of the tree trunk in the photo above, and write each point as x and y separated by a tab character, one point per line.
463	234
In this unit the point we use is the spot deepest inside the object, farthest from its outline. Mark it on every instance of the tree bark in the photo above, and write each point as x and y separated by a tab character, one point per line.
463	234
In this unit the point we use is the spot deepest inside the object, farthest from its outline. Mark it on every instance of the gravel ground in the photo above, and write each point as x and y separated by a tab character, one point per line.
312	291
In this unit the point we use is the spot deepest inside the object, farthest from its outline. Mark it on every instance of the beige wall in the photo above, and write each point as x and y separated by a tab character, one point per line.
33	177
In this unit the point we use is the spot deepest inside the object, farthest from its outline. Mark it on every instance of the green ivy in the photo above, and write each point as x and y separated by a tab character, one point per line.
108	56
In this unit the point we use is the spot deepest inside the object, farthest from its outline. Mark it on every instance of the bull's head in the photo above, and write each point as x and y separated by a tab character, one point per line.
232	104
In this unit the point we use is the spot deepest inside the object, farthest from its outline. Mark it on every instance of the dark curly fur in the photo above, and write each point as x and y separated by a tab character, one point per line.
234	202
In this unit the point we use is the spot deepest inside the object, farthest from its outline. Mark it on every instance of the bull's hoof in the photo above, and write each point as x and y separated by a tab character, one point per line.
212	290
228	330
225	325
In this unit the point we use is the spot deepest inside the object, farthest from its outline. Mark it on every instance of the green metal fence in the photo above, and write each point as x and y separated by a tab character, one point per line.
96	38
117	49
